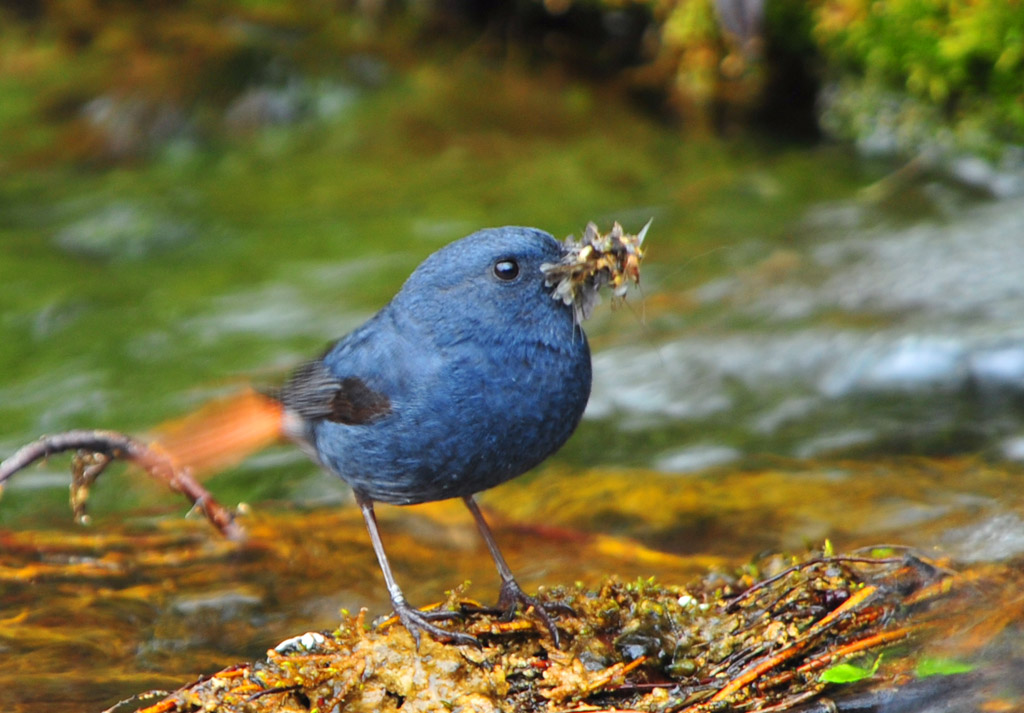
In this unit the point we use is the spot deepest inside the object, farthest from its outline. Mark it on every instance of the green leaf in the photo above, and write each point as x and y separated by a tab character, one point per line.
941	667
848	673
844	673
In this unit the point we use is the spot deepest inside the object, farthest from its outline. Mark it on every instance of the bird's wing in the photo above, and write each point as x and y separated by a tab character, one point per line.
313	392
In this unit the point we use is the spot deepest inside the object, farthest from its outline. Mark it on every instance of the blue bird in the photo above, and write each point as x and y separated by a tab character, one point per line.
471	375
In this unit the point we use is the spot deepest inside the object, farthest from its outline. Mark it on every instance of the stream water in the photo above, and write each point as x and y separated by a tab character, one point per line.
810	357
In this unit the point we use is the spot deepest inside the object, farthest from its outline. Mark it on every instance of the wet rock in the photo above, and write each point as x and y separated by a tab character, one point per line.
271	309
833	444
975	172
696	458
296	101
368	70
890	124
652	383
226	604
789	411
262	106
939	368
331	100
999	368
969	269
131	126
123	231
998	539
195	620
907	364
1013	449
812	393
73	393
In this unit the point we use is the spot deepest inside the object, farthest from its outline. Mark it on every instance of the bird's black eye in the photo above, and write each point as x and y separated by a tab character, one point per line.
507	269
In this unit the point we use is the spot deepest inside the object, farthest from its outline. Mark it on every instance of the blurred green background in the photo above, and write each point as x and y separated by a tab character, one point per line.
197	195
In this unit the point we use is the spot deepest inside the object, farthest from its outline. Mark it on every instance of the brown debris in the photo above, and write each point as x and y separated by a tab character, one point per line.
593	262
639	646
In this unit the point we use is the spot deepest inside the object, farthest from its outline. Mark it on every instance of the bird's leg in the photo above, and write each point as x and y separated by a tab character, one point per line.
512	595
412	619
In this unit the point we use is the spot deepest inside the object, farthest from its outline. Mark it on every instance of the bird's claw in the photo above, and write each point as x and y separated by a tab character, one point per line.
416	621
512	596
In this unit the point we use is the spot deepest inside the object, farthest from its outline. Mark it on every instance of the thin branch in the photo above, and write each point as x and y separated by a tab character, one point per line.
733	603
115	445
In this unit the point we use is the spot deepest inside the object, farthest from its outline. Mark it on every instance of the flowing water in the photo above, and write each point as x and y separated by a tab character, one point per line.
796	337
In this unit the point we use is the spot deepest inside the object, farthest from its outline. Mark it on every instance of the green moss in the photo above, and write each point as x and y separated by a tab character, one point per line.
962	63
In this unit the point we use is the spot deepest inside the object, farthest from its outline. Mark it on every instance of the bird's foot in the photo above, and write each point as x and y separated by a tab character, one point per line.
417	621
512	596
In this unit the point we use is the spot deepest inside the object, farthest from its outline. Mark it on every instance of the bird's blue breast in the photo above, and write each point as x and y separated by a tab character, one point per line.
462	420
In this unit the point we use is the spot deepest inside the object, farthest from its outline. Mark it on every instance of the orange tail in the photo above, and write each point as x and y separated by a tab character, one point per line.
222	433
